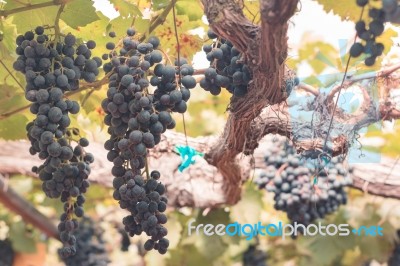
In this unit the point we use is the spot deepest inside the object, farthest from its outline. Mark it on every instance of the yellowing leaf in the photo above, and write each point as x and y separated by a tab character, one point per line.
79	13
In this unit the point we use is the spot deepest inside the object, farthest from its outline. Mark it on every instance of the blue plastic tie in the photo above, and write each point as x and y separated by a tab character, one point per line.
188	155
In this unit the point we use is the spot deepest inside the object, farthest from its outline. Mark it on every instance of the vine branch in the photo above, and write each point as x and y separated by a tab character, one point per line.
13	201
28	7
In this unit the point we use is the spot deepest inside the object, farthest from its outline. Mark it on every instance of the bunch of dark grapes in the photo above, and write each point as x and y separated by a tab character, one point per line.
291	180
394	259
6	253
52	69
227	68
368	31
90	248
125	240
142	94
392	10
254	257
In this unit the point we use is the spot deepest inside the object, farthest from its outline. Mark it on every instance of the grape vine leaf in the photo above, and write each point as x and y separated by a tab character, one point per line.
189	43
12	128
99	27
9	32
79	13
16	4
28	20
187	255
190	8
324	249
248	209
126	8
212	246
160	4
346	9
20	239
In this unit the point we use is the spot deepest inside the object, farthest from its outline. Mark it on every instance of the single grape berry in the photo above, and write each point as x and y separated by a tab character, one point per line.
356	49
362	3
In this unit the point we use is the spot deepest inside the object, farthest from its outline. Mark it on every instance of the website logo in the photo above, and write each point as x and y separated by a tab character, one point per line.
249	231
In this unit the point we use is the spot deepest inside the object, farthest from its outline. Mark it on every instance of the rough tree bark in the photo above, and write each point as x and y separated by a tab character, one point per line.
201	185
265	50
265	108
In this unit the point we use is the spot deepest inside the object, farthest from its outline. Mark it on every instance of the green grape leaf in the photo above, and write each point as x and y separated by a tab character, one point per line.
20	239
160	4
13	127
324	249
99	27
126	8
79	13
16	4
189	43
347	10
8	31
190	8
187	255
248	209
30	19
11	98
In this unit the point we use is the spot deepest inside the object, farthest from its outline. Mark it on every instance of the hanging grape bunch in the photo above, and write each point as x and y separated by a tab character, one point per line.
368	31
143	91
254	257
90	247
291	180
226	68
52	68
6	253
394	259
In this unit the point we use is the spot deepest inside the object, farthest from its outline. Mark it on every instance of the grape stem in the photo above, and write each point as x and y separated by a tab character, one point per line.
11	74
57	24
147	168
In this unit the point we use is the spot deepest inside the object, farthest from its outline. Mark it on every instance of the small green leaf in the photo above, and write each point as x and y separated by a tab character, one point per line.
13	127
126	8
190	8
344	8
20	239
160	4
79	13
248	209
7	32
30	19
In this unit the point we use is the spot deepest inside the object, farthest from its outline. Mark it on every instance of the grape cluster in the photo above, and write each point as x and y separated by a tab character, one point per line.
6	253
368	34
394	259
392	10
227	68
254	257
90	246
142	94
291	180
125	240
51	69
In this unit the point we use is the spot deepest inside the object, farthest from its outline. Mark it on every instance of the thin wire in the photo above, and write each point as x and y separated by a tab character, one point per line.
11	74
178	47
320	165
340	91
